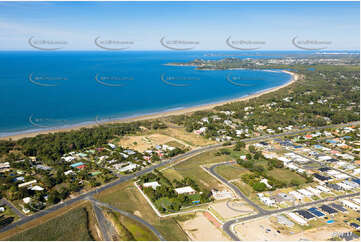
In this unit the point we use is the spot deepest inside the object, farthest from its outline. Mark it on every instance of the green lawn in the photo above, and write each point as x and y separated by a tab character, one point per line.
72	225
231	172
286	175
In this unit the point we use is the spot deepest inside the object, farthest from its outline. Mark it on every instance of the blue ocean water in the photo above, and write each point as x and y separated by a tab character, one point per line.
43	90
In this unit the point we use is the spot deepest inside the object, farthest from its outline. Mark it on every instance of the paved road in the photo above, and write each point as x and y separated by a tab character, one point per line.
323	164
151	168
233	187
102	222
261	212
131	216
12	207
227	225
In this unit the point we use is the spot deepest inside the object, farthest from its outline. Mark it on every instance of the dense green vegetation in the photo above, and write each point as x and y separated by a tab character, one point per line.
166	199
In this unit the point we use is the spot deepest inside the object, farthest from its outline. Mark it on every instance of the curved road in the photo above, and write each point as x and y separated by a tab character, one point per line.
131	216
150	169
261	212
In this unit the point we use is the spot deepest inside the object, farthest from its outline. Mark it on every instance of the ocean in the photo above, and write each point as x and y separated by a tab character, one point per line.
45	90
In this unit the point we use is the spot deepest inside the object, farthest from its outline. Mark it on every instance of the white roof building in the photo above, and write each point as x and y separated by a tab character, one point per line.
27	183
351	205
153	185
305	192
313	190
26	200
323	188
296	194
37	188
297	218
185	190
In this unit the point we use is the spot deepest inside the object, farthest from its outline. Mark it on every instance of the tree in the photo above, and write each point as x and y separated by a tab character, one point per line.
259	187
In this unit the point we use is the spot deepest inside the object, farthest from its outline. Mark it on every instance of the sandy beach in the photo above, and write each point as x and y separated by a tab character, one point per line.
294	78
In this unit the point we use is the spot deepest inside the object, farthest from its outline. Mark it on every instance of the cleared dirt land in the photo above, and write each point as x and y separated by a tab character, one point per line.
199	228
172	136
257	230
234	209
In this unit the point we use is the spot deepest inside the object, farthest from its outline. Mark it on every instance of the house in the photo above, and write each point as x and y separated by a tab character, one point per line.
185	190
323	189
297	218
37	188
296	195
153	185
68	158
316	212
266	200
265	181
344	186
328	209
113	146
351	205
129	167
201	130
25	184
305	192
321	177
313	190
2	209
68	172
305	214
4	166
351	184
338	207
76	164
356	200
27	200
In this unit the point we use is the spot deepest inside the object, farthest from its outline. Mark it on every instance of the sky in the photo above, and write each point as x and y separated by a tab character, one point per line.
195	25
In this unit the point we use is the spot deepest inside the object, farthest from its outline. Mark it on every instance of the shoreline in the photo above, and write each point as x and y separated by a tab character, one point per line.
162	114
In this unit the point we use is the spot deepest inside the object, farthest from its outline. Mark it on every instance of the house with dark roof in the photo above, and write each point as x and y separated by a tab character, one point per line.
328	209
305	214
316	212
338	207
321	177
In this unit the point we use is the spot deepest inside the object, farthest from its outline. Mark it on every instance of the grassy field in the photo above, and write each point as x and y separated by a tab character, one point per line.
191	168
128	229
73	225
126	197
231	172
286	175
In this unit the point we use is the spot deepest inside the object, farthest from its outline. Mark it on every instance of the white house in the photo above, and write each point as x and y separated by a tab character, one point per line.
323	188
265	181
266	200
37	188
296	195
27	183
305	192
26	200
185	190
351	205
313	190
2	209
297	218
153	185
